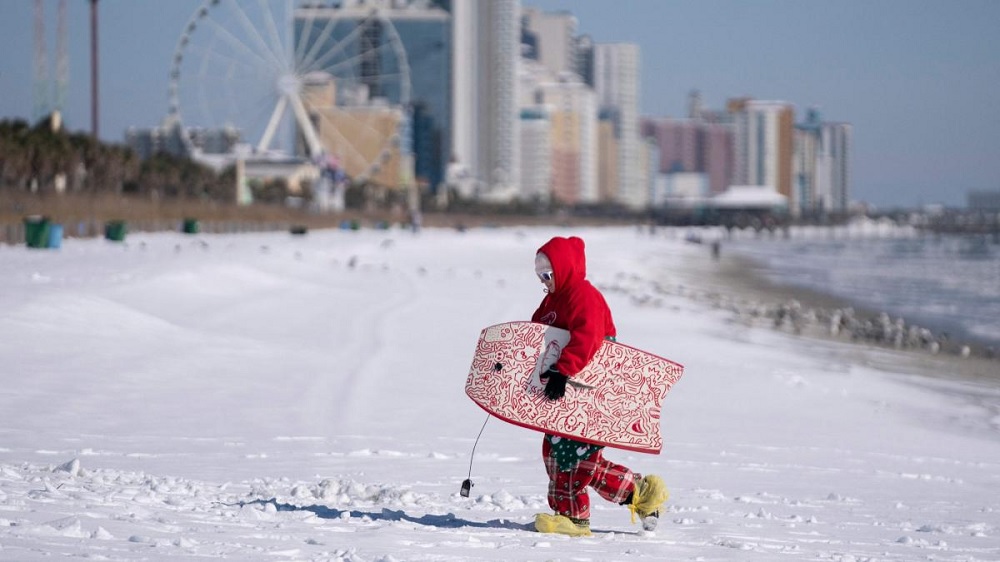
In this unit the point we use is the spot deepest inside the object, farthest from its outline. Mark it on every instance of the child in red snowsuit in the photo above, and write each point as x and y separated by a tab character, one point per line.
573	303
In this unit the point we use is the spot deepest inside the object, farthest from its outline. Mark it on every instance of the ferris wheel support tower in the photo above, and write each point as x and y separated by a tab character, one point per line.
46	98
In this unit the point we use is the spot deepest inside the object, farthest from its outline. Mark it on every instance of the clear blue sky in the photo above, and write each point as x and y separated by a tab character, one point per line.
918	79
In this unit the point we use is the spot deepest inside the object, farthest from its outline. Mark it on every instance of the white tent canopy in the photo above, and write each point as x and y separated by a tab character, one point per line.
750	197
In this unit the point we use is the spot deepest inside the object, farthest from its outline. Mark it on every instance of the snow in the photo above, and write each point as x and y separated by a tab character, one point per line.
271	397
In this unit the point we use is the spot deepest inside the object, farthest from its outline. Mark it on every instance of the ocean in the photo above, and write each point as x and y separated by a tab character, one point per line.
949	284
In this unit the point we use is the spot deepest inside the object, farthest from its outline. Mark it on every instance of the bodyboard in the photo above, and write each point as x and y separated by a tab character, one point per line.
614	401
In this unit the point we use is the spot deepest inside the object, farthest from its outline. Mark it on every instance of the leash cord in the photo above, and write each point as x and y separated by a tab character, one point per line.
476	444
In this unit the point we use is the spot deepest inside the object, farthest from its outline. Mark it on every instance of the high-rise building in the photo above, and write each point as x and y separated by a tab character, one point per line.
585	59
696	106
806	176
736	107
679	143
693	145
573	112
427	38
764	140
616	80
838	139
650	169
554	38
810	175
822	167
536	154
536	133
486	112
717	156
607	157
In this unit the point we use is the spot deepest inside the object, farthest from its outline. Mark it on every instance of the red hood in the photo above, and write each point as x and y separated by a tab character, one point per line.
569	263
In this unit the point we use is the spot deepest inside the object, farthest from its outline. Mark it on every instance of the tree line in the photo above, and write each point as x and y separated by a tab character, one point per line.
45	159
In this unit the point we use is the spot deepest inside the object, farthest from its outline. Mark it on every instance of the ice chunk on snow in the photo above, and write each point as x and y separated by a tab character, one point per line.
71	467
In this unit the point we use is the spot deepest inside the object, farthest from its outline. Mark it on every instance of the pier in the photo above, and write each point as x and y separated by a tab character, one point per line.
963	222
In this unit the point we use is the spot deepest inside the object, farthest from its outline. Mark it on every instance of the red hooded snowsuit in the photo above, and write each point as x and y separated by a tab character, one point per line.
578	306
575	305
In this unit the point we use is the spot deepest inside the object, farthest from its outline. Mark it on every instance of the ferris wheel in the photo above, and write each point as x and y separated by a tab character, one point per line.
293	78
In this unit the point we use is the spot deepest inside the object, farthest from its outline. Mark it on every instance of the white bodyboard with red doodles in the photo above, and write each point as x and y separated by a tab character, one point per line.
614	401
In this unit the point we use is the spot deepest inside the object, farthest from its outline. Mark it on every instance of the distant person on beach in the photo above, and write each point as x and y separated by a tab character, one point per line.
574	304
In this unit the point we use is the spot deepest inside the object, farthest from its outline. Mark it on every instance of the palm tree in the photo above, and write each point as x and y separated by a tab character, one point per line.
14	156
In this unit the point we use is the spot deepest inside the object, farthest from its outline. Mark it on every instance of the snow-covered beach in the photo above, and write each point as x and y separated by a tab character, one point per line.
278	397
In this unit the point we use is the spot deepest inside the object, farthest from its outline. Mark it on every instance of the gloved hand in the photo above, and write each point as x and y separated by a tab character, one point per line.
555	384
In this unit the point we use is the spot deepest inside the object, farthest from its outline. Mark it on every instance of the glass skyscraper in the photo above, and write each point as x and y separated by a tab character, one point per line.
426	36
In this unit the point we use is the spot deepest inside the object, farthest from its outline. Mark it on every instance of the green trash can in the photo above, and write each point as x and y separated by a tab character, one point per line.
36	231
115	230
190	226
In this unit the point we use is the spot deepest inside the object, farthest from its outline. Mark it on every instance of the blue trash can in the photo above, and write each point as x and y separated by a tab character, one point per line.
55	236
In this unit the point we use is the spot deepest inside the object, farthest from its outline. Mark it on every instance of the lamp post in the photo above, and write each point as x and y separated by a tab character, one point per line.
94	105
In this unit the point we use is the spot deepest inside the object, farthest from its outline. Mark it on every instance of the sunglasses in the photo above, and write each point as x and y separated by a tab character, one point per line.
545	275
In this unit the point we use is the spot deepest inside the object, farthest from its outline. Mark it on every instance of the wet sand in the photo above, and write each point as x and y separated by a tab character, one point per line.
737	279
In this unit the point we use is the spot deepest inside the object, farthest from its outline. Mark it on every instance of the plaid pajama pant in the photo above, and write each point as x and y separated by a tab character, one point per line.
568	489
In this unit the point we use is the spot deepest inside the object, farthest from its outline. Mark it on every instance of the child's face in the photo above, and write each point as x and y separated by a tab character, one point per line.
543	269
548	279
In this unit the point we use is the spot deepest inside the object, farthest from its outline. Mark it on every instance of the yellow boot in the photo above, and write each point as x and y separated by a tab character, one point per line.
650	494
562	525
